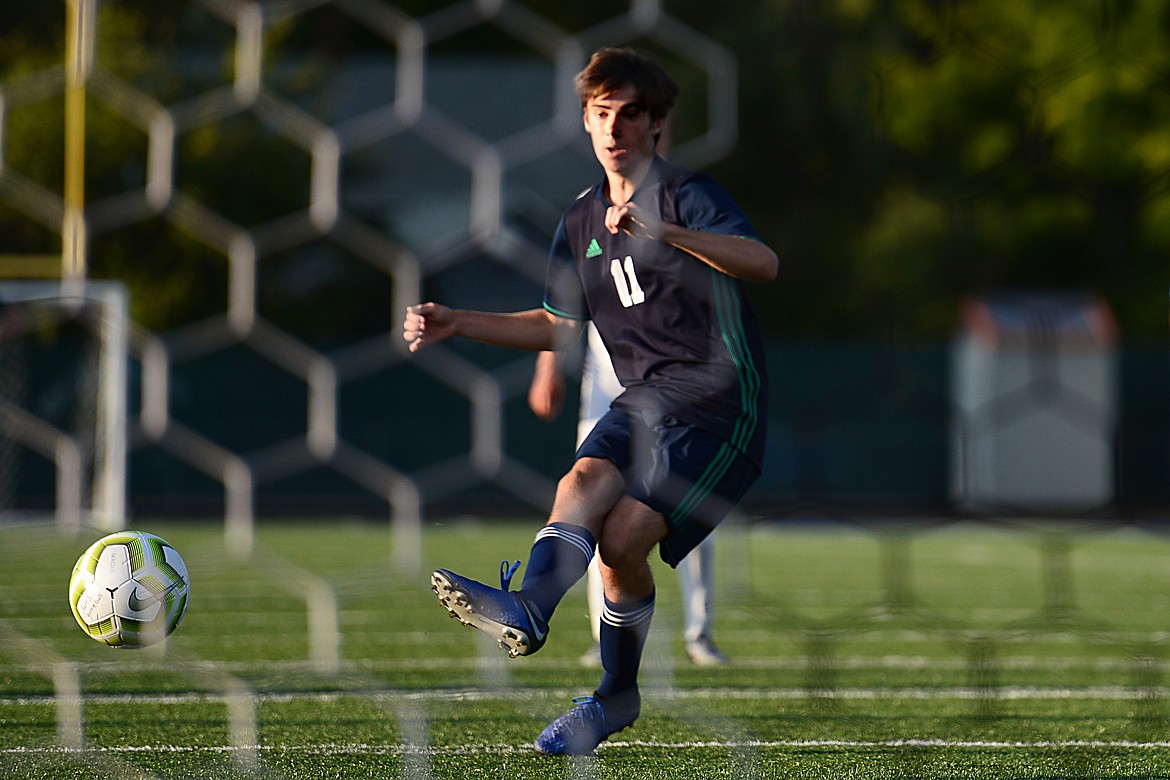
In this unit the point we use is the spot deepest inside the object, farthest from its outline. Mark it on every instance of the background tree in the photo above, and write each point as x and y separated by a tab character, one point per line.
921	151
901	155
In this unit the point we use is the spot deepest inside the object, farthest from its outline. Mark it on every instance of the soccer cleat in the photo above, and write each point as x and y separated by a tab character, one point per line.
580	730
517	626
703	652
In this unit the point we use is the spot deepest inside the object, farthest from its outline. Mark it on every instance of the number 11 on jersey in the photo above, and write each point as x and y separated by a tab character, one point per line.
626	281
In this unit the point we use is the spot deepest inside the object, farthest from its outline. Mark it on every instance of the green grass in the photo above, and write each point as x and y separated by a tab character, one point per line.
953	652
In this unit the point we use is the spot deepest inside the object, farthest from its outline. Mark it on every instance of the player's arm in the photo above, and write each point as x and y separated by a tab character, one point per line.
741	257
546	394
535	329
738	256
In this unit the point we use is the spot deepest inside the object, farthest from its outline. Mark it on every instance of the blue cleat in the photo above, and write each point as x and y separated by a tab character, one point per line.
580	730
515	624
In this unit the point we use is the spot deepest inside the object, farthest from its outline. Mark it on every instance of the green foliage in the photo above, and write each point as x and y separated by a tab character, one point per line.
1038	127
900	154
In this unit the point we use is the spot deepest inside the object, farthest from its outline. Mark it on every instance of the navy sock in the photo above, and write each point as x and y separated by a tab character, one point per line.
624	627
559	558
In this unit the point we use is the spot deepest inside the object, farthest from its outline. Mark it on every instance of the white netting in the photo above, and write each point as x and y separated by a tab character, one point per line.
404	131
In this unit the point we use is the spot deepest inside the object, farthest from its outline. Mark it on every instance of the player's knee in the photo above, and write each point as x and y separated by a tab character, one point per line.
617	555
590	475
625	546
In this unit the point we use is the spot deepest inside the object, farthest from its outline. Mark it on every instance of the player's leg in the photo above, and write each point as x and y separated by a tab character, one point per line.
560	554
563	549
694	593
629	534
696	575
585	496
599	387
680	483
697	480
595	597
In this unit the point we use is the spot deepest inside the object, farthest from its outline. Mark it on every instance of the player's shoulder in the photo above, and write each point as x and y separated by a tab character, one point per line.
587	195
677	181
695	188
580	207
679	177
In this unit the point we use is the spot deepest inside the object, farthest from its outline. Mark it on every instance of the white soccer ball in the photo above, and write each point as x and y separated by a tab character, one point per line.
129	589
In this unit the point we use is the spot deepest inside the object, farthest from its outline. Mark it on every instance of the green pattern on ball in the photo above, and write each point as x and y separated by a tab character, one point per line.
129	589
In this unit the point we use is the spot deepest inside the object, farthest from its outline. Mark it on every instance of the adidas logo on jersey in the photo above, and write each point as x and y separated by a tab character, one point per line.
594	249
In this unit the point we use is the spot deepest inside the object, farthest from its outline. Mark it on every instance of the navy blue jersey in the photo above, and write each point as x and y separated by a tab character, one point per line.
682	336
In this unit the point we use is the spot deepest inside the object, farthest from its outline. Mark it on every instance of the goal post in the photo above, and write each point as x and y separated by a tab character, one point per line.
64	354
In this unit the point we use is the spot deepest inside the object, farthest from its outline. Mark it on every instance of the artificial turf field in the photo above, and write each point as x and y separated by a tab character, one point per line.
948	651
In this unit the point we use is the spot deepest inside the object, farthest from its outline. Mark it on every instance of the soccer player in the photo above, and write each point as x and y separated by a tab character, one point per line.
599	387
656	257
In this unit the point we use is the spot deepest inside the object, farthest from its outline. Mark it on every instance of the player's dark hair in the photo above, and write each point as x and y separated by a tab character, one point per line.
614	68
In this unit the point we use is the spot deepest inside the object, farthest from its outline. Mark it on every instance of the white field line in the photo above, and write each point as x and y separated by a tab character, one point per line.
367	749
999	693
791	663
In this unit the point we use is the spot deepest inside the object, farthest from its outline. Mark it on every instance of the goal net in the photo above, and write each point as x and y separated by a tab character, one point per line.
63	400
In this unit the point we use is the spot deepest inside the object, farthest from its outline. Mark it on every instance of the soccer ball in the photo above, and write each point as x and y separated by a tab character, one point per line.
129	589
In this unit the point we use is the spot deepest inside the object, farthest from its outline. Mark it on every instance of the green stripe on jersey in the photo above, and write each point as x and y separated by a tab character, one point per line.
711	477
730	323
730	316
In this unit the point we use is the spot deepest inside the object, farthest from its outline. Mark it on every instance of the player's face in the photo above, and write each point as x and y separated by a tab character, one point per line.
621	130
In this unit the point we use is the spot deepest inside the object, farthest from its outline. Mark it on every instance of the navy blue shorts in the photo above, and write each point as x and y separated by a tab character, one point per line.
692	477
